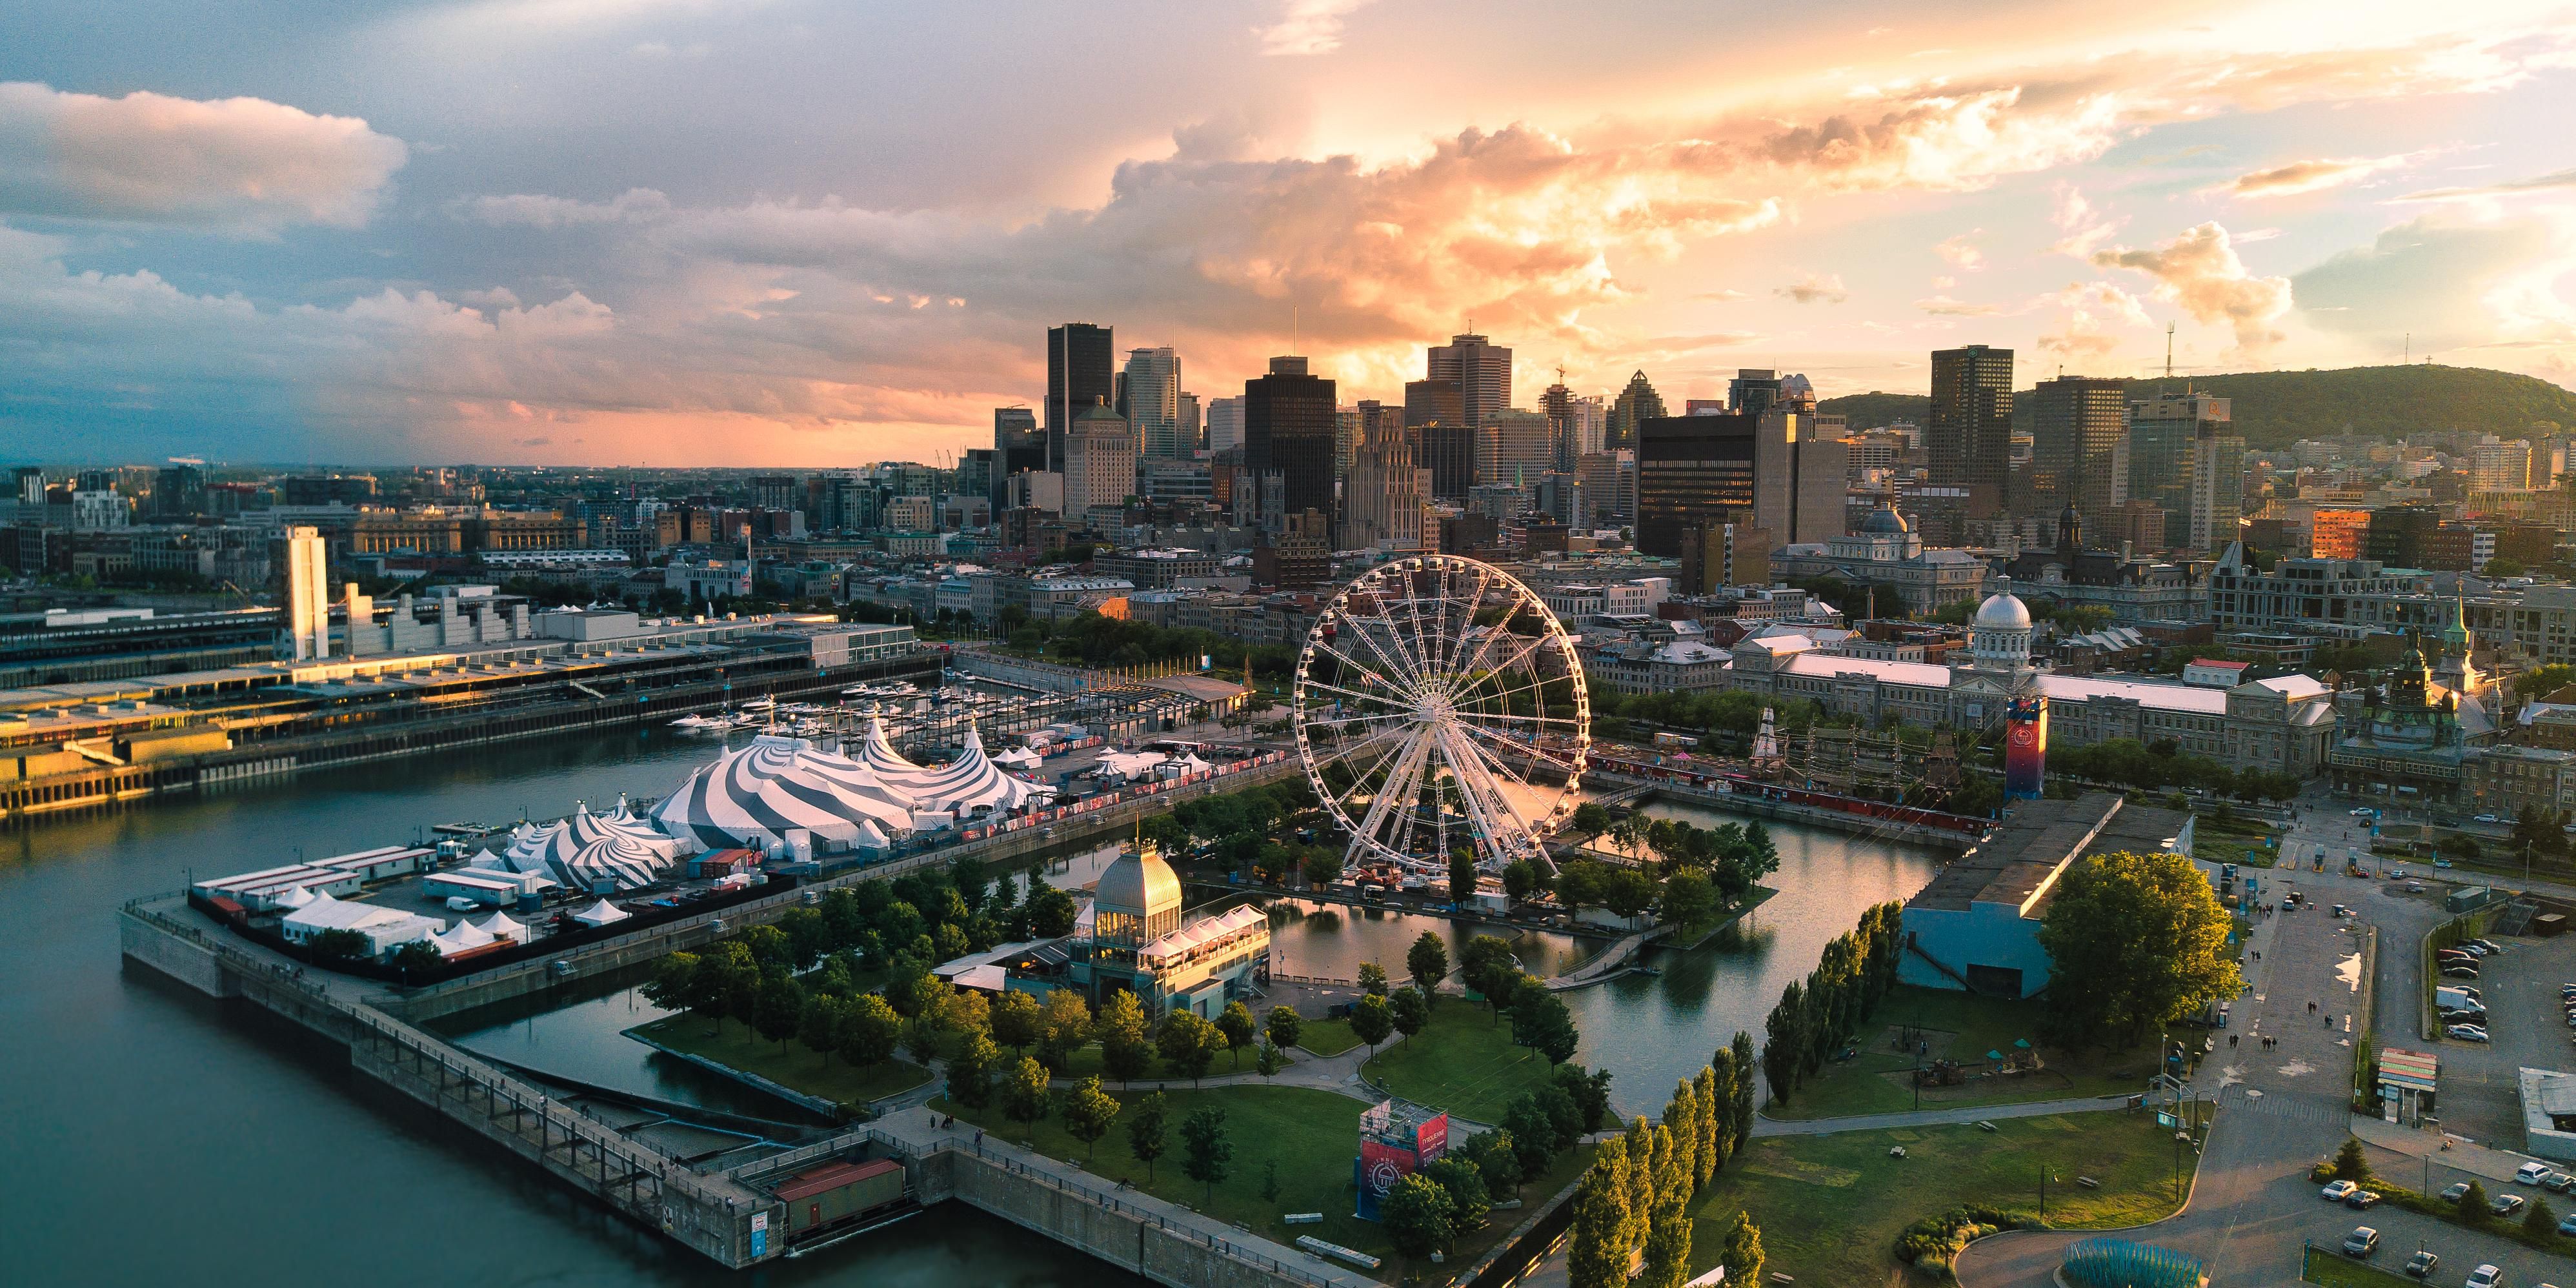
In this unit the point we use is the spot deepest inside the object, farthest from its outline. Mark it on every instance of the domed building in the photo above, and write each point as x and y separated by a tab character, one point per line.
1134	939
1884	553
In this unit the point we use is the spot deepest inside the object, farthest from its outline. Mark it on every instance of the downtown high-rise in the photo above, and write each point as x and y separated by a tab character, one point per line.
1081	373
1968	434
2079	446
1150	389
1288	420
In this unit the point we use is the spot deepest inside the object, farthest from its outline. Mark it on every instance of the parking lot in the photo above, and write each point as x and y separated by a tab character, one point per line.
2527	1028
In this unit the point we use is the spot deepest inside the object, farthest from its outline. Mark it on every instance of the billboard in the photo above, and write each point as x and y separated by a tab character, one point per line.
2025	746
1396	1140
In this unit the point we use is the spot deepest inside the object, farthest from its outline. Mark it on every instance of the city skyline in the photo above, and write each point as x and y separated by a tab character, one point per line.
483	232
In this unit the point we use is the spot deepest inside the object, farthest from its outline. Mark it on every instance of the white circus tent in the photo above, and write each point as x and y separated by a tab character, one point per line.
755	794
463	937
500	926
587	848
972	781
877	752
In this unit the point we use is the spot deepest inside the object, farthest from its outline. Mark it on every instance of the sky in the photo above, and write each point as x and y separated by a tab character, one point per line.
817	234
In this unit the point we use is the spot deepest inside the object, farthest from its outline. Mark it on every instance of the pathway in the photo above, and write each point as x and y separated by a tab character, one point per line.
1768	1126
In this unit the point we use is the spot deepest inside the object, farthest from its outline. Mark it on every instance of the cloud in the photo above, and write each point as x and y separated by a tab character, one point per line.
2085	310
2200	271
1944	306
2299	177
531	211
1962	254
1727	295
1812	289
2449	282
2511	187
237	164
1307	27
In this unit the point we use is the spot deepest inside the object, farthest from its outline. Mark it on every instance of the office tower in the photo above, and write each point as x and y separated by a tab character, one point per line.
1080	374
1483	372
1019	447
1717	555
1693	470
2079	445
1225	425
1587	420
1346	433
975	476
773	491
1381	495
1752	391
1563	444
1152	384
1288	419
2493	466
1801	466
31	485
1513	447
1610	485
1637	402
2185	457
308	595
1435	414
1970	428
180	490
1193	431
1100	460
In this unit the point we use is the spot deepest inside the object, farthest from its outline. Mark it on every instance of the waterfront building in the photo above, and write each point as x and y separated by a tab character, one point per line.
1968	432
1975	927
1133	938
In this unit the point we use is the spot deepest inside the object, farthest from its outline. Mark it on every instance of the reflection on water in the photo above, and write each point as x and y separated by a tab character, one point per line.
1329	941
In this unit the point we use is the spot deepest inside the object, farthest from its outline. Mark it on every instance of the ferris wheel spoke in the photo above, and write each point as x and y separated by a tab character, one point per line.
1362	667
1524	748
1399	788
1353	694
1483	797
1394	662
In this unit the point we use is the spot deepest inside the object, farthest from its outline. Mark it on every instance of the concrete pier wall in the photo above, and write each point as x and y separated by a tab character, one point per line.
1118	1233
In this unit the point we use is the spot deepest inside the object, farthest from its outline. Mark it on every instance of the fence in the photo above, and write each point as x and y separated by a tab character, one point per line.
1141	1214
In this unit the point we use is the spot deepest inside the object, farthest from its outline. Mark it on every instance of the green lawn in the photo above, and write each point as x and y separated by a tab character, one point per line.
2239	841
1086	1061
2328	1267
1830	1207
1326	1037
1964	1027
1462	1061
795	1066
1312	1135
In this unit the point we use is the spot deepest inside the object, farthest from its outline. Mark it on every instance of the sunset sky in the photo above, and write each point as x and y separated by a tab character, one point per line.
818	234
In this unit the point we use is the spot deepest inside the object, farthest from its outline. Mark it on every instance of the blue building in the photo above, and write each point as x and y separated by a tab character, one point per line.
1975	926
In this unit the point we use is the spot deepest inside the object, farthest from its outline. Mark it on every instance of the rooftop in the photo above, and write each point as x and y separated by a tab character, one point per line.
2020	862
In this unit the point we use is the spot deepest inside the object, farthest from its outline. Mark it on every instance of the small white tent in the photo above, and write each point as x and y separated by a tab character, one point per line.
501	927
600	914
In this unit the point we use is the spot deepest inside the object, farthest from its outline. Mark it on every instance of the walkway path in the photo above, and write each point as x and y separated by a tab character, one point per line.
1767	1126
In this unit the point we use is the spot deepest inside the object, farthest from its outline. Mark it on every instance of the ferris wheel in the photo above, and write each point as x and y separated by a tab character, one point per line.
1438	703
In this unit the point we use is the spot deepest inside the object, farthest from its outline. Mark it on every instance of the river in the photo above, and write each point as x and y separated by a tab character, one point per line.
154	1139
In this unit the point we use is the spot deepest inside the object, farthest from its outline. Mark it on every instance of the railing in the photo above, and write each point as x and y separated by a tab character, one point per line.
1112	1203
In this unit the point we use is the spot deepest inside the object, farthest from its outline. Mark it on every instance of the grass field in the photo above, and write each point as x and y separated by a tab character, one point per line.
1326	1037
1963	1027
1830	1207
2325	1266
2238	841
796	1066
1462	1061
1310	1135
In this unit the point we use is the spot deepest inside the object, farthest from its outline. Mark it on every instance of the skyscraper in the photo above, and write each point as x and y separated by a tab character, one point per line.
1019	446
1637	402
2185	457
1692	471
1483	371
2080	445
1100	460
1288	420
1435	414
1224	425
1969	433
1512	447
1192	432
1558	403
1800	466
1152	383
308	595
1753	390
1382	494
1080	373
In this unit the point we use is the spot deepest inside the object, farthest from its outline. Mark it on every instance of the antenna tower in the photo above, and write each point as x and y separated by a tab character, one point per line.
2169	330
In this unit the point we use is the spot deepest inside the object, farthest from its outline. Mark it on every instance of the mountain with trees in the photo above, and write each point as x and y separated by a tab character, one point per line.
2277	408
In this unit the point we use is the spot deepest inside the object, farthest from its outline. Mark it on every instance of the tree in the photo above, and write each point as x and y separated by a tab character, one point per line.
1488	967
1284	1024
1409	1010
1372	1020
1469	1200
1681	1118
1741	1053
1015	1020
2473	1204
1542	1022
869	1030
1627	892
2349	1164
807	937
1427	961
1051	913
1417	1214
921	1039
1270	1060
1579	883
1591	819
1125	1050
1205	1151
1524	879
1532	1133
1188	1043
776	1008
674	983
1235	1023
1743	1254
1373	979
1462	876
1668	1243
1321	867
1588	1093
1688	898
2537	1220
971	1070
1597	1246
818	1025
1145	1131
1024	1095
348	946
2135	941
1064	1024
1714	1136
1785	1041
1087	1113
1497	1158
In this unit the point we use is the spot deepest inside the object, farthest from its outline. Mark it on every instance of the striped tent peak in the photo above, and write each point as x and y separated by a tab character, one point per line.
755	794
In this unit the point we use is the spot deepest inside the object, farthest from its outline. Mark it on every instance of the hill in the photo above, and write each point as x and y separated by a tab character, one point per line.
2277	408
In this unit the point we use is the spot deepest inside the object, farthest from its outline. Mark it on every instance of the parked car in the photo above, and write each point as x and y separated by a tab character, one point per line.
2421	1264
2414	887
2361	1200
2530	1173
2362	811
2452	1195
2335	1191
2484	1277
2459	972
2567	1224
2558	1182
2361	1242
2467	1032
2486	818
2508	1204
2486	944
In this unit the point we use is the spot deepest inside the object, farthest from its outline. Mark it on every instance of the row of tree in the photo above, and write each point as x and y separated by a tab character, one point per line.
2147	767
1813	1018
1632	1223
